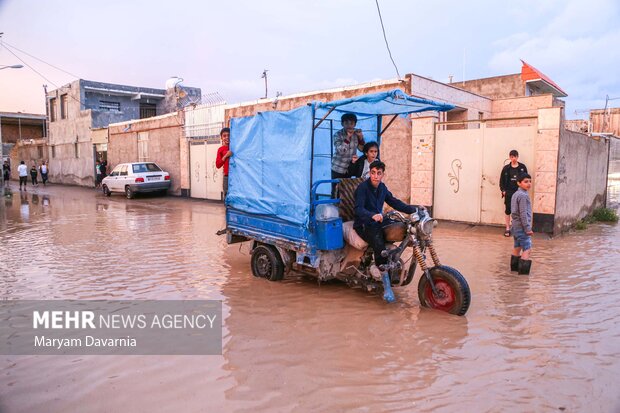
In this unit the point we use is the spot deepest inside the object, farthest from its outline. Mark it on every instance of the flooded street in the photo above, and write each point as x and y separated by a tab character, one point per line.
549	342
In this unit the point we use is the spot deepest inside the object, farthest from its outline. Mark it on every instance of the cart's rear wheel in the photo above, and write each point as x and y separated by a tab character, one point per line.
267	263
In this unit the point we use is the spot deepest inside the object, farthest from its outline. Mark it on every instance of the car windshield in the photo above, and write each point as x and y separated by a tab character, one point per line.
145	167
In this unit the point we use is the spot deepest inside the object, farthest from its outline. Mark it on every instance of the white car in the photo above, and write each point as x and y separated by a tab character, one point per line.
131	178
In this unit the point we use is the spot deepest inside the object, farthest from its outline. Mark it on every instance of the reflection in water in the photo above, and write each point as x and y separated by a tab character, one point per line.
535	343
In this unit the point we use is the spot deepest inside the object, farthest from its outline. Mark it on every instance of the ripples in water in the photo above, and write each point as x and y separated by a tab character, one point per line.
533	343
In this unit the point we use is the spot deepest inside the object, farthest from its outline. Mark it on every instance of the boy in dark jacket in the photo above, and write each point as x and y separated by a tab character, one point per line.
370	196
508	183
522	226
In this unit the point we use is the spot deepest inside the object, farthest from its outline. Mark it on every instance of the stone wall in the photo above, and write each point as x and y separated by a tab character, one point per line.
544	170
498	87
582	178
422	160
519	108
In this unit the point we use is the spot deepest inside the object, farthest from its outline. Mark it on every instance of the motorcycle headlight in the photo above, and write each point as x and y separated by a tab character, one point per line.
426	225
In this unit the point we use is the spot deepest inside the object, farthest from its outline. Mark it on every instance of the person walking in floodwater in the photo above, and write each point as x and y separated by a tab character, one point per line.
521	207
22	170
223	157
508	184
34	174
44	172
98	177
6	173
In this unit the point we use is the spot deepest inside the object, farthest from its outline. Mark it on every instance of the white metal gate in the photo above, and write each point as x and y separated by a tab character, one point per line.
468	163
205	179
202	127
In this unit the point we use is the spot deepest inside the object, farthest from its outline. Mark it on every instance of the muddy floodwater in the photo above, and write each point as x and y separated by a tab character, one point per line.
549	342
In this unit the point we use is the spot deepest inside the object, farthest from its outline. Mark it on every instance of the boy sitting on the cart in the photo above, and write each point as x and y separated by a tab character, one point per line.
370	196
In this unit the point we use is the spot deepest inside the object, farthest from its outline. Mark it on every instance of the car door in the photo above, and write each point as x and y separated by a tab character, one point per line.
123	177
112	179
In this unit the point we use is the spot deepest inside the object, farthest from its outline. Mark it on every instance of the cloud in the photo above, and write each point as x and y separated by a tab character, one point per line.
578	49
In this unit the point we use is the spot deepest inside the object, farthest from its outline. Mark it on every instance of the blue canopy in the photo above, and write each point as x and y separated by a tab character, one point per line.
275	152
394	102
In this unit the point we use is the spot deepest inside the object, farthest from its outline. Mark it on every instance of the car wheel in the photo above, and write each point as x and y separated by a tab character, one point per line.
106	191
128	192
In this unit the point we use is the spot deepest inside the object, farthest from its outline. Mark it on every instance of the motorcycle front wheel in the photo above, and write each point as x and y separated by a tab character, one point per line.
453	291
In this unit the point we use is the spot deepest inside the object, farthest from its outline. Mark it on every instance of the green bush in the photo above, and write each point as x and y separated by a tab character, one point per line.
589	219
581	225
605	215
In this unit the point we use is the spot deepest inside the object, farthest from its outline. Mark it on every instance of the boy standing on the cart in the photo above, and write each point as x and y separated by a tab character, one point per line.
521	208
370	196
346	143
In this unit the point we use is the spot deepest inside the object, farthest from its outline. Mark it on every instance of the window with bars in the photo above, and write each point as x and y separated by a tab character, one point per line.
109	106
143	146
147	110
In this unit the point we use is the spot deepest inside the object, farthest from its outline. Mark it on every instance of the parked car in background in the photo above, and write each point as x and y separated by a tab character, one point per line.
136	177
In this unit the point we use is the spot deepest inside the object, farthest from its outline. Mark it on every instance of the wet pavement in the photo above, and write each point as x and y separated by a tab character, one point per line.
544	343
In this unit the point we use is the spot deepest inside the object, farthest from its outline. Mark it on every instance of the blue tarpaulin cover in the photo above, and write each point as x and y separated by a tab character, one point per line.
384	103
272	151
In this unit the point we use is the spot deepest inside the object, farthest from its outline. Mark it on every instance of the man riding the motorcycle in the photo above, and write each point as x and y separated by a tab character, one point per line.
370	196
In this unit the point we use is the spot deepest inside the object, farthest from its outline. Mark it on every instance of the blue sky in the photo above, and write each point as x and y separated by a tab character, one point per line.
224	46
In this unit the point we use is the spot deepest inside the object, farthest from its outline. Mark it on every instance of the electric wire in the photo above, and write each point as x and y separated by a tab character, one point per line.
40	60
30	67
39	73
386	41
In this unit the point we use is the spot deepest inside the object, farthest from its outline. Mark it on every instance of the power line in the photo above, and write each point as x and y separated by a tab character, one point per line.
386	41
39	73
30	67
40	60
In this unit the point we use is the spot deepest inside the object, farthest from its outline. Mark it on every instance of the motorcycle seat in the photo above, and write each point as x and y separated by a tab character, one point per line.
352	238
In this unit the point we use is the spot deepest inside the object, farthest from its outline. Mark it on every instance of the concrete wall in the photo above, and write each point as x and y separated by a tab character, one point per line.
582	178
164	135
498	87
130	107
431	89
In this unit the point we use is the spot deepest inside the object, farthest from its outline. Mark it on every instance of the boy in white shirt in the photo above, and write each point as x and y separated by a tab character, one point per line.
22	169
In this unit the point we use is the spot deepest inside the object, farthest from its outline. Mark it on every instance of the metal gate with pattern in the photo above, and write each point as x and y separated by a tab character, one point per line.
468	164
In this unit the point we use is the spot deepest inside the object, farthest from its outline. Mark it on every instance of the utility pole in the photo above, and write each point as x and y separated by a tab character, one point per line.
264	76
47	114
